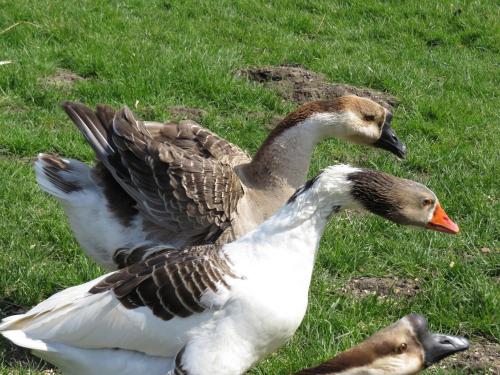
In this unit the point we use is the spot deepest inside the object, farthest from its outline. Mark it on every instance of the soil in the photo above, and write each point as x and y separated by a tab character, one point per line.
186	113
62	78
382	287
300	85
483	357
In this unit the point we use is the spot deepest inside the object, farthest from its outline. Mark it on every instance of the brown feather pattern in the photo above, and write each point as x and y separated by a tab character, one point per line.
181	179
170	283
179	369
355	357
53	167
124	257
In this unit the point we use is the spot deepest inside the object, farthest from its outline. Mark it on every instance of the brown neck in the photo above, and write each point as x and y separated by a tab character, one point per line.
284	161
284	157
358	358
348	360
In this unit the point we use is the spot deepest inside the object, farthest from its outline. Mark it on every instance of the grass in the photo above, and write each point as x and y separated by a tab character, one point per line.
439	58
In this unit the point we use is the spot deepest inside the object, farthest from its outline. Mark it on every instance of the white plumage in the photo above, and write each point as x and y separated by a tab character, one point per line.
257	313
182	184
214	309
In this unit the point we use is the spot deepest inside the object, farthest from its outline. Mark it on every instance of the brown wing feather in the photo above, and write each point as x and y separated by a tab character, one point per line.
170	283
197	140
173	188
183	191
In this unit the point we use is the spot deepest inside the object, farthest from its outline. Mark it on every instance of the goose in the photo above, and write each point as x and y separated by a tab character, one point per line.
182	184
404	348
215	308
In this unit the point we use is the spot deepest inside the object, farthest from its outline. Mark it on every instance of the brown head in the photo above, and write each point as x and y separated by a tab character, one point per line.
404	348
351	118
400	200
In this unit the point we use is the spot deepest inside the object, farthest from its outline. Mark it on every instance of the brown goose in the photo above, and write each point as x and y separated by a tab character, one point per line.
404	348
181	184
212	309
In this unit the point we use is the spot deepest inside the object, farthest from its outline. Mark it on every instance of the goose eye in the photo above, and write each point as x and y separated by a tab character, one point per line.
427	202
369	117
402	348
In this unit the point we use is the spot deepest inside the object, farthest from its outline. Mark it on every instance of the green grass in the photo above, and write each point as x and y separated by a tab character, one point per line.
439	58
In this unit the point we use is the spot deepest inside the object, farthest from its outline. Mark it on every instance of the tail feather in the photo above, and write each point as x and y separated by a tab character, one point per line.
111	134
61	177
95	126
53	309
72	360
20	339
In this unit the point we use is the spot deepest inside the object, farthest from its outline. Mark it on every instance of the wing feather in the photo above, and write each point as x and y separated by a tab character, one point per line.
180	175
170	283
147	307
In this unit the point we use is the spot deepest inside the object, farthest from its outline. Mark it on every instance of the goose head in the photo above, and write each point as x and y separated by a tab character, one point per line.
351	118
399	200
404	348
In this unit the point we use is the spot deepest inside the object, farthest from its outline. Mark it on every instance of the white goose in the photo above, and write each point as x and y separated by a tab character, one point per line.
183	185
213	309
404	348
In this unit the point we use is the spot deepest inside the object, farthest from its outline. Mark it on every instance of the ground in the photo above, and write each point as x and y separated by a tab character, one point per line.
228	64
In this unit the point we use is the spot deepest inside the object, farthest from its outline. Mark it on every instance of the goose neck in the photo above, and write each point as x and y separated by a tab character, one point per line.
299	224
284	157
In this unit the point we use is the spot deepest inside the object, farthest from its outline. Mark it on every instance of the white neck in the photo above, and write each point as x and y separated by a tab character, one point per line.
297	227
285	160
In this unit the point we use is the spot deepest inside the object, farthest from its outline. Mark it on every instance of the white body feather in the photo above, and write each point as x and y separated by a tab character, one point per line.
95	227
79	331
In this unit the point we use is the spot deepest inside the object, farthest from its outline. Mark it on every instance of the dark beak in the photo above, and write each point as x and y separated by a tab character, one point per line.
390	142
437	347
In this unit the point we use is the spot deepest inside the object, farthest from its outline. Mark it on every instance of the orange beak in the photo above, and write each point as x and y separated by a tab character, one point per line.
441	222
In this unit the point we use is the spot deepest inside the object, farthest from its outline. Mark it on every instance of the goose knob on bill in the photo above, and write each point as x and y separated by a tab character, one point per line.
182	184
404	348
213	309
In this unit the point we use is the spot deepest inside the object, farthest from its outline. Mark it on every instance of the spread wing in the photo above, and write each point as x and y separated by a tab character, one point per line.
146	308
175	188
195	139
171	283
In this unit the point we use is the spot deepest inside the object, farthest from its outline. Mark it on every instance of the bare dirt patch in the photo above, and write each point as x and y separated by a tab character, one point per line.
6	155
300	85
62	78
382	287
186	113
483	357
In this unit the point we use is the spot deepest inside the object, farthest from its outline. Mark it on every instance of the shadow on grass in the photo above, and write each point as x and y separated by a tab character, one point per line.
13	356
